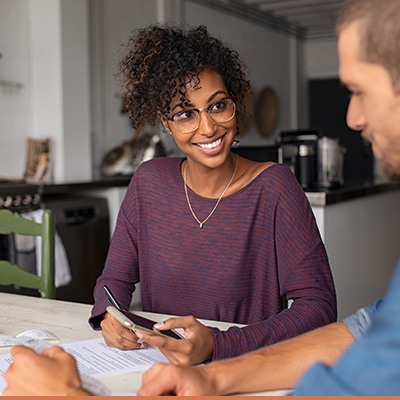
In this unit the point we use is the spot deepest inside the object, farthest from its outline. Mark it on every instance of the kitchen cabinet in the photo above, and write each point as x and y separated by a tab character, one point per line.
360	229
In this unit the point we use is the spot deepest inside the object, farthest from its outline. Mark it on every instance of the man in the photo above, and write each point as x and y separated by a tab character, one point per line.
369	37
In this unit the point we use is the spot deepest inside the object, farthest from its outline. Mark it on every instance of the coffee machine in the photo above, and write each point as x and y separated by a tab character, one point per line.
298	149
316	161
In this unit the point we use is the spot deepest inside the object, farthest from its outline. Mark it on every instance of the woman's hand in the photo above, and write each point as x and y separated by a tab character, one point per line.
51	373
116	335
194	349
167	379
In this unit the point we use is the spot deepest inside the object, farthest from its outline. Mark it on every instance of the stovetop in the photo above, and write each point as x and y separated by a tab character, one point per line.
19	195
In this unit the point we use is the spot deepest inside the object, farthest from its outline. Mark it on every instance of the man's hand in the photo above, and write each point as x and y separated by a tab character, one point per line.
51	373
164	379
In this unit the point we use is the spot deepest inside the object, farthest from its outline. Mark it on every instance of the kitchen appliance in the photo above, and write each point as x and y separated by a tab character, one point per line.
317	161
83	224
330	162
298	149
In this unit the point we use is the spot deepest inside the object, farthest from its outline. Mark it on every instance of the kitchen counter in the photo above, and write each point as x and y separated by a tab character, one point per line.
318	197
321	197
71	187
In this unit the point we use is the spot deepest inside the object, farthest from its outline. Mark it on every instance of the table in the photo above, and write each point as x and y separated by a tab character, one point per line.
69	322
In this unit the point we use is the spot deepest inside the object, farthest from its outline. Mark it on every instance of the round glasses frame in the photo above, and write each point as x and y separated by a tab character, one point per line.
198	111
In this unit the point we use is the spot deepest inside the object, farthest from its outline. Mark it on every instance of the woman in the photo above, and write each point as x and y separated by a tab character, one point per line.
211	235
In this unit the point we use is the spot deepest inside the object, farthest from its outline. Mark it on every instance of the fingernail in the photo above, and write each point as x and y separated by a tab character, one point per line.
159	325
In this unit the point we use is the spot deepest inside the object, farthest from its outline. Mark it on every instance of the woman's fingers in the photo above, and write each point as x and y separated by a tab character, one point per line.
194	349
116	335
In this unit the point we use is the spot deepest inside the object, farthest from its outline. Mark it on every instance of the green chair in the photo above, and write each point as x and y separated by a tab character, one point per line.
11	274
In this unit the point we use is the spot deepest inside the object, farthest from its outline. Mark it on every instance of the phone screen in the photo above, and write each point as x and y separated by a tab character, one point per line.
147	323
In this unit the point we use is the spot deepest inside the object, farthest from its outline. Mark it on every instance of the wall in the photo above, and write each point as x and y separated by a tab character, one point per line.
15	107
111	22
321	59
45	46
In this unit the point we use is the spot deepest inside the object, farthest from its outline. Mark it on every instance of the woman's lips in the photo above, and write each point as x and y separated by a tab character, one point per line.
212	145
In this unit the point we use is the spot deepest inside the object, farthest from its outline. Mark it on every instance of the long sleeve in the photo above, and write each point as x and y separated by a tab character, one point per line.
314	305
261	244
119	273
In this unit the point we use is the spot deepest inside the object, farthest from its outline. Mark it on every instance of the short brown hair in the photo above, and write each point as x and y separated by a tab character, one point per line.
380	32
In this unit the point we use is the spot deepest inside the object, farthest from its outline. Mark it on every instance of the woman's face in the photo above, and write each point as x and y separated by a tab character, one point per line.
211	142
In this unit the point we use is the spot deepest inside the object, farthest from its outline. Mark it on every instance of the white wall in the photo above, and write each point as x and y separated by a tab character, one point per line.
111	24
15	106
45	46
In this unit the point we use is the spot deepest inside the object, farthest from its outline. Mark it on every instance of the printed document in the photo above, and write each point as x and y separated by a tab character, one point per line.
94	359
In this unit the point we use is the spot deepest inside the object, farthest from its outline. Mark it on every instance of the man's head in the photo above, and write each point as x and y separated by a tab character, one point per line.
369	53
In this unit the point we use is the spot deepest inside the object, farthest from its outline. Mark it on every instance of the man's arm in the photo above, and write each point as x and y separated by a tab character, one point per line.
278	366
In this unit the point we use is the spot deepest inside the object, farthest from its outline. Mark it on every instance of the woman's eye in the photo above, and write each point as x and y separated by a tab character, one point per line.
219	106
184	115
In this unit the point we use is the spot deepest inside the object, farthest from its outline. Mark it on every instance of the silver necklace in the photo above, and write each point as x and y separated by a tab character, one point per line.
219	199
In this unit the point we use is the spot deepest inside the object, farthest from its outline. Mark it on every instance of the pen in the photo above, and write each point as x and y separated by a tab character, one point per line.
111	299
114	302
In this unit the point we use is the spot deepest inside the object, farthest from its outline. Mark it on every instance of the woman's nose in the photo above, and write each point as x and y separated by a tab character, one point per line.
207	125
355	116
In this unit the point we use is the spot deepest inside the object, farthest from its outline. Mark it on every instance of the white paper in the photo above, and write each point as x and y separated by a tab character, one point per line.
8	341
39	334
96	359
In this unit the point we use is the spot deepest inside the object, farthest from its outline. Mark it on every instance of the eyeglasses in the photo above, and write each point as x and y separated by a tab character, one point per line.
220	111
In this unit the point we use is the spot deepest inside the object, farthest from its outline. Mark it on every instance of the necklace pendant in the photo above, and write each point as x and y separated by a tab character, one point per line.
200	225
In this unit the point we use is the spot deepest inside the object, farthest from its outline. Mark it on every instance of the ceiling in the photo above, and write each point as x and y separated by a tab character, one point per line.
308	19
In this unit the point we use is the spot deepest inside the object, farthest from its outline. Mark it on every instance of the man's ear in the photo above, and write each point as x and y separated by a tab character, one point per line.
165	123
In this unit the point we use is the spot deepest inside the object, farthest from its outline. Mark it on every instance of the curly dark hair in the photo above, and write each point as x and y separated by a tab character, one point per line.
161	59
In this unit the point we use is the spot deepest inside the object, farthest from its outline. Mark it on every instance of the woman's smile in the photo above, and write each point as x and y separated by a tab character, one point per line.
210	143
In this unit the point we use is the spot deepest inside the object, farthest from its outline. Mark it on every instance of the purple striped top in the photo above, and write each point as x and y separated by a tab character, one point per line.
260	244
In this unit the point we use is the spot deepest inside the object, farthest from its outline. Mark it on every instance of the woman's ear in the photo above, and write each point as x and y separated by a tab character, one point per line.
165	123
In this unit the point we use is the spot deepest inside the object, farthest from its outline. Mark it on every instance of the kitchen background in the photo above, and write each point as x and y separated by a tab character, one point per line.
57	59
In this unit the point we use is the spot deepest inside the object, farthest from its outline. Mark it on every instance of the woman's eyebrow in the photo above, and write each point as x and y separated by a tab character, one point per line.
211	98
213	95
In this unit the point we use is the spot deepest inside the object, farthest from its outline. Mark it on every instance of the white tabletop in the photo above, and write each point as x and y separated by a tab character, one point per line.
69	322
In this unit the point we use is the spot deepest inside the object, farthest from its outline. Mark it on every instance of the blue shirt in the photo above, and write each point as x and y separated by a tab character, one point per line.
372	365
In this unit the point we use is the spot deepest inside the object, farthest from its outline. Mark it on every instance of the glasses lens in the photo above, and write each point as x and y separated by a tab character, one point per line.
187	121
222	110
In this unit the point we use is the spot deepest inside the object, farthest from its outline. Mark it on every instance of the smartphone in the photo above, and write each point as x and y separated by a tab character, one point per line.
138	323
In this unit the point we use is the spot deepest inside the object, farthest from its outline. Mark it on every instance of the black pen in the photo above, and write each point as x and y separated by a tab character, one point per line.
111	299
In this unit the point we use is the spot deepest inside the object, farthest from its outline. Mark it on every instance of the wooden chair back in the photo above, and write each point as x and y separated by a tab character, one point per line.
12	274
